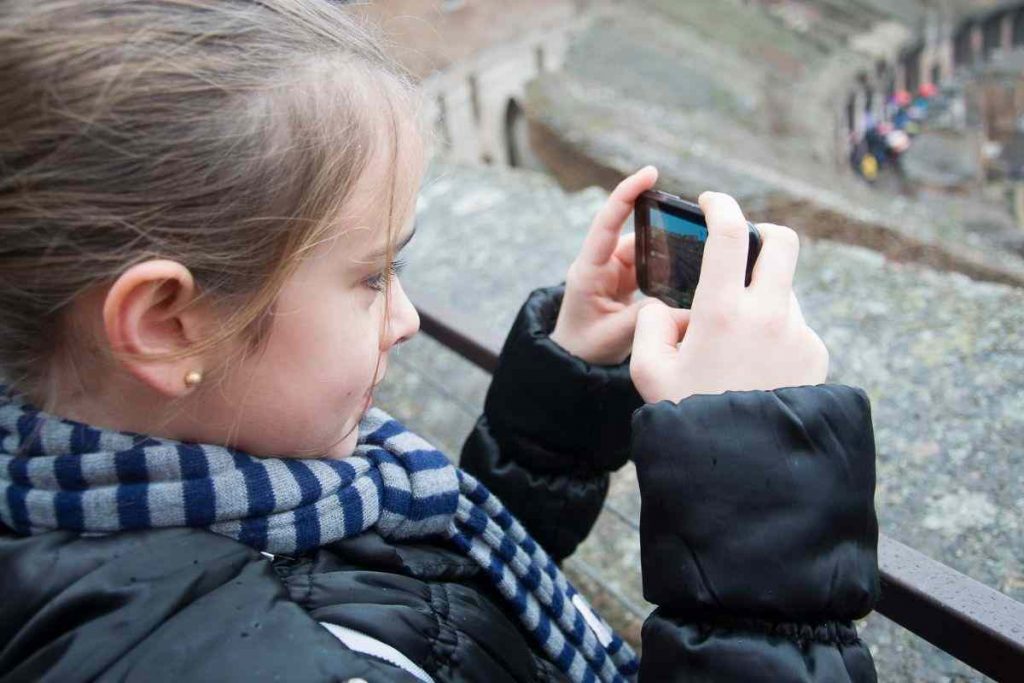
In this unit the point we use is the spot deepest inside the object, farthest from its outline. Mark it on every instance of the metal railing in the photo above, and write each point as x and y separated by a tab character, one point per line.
981	627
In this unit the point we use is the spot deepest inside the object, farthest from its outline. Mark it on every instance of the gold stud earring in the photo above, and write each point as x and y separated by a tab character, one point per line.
193	378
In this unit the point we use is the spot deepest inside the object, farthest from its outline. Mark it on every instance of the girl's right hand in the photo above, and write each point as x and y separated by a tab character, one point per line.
734	338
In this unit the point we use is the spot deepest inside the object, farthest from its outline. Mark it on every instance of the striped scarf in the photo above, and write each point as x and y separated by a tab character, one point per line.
61	474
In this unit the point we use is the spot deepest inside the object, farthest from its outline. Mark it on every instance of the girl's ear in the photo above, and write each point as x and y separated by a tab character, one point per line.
146	313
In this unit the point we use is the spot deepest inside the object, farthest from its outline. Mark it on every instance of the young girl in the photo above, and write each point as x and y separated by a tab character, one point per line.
201	206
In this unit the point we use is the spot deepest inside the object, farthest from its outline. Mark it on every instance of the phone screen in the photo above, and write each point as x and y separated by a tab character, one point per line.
675	247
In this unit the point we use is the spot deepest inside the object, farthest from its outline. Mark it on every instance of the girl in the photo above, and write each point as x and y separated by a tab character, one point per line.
201	206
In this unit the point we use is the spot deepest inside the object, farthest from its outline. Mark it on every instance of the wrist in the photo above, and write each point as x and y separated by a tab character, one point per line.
574	343
559	338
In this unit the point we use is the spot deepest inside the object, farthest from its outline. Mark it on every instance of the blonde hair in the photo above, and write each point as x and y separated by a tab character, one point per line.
223	134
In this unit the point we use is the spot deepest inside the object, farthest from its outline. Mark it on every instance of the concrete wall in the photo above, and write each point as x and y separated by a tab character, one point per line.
474	105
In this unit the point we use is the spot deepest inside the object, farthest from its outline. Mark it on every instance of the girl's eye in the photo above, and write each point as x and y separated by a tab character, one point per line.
378	281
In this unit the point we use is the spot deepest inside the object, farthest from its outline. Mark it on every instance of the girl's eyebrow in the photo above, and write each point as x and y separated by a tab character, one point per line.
399	247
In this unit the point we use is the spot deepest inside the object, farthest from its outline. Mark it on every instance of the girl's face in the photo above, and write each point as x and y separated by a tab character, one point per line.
304	392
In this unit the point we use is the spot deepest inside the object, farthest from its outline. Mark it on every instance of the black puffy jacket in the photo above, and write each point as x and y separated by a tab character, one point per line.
758	539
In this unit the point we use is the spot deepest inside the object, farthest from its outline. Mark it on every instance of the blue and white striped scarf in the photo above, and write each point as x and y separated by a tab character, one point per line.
60	474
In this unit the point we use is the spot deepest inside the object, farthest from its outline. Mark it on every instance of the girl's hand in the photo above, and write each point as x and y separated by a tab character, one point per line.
598	314
734	338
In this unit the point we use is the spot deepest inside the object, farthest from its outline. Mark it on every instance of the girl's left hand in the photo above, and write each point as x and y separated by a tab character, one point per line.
598	314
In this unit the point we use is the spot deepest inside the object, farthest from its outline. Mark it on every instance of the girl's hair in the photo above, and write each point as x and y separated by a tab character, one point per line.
226	135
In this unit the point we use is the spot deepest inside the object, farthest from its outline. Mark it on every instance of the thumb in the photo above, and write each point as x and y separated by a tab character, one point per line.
659	330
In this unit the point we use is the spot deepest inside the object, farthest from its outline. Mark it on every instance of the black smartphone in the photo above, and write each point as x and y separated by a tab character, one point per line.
670	237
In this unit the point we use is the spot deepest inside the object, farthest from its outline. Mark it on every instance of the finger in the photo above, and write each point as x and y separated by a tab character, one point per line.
659	330
724	267
625	250
625	254
603	236
776	264
632	311
795	303
621	324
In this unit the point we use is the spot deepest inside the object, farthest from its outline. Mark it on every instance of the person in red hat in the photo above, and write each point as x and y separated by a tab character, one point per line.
918	111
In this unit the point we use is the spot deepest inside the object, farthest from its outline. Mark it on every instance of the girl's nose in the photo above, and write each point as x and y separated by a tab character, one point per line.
404	321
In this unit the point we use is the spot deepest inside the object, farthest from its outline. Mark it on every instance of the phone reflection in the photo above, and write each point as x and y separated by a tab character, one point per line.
675	251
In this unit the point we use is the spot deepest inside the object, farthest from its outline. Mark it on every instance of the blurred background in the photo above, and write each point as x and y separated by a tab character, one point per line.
888	133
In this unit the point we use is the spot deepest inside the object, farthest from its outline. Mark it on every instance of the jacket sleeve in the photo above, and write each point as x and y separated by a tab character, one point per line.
758	535
553	427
